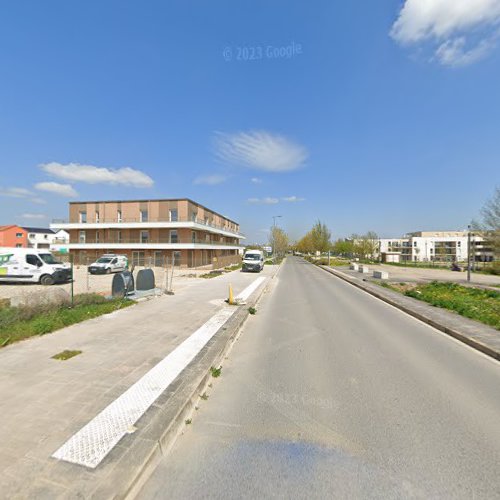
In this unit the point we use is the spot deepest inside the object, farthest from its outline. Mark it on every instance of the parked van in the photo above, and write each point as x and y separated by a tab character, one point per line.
30	265
253	260
109	263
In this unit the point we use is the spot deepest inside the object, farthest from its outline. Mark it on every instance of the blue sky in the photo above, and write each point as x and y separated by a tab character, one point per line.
366	115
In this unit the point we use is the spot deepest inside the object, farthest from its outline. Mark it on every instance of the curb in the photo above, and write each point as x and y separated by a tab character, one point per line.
411	307
166	428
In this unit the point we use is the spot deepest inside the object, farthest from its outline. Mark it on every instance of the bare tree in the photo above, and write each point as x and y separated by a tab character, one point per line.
278	240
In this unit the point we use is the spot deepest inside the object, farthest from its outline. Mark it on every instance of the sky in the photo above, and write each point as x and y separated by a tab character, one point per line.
380	116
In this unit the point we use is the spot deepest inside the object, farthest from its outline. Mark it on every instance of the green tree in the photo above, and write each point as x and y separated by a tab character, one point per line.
279	241
320	235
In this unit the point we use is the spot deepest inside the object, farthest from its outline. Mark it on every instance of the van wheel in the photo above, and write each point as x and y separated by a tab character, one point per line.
47	280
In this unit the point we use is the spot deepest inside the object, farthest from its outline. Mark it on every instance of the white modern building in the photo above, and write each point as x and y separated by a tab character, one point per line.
43	237
435	246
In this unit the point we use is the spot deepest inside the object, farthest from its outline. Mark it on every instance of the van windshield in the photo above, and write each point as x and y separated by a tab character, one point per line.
48	258
252	256
104	260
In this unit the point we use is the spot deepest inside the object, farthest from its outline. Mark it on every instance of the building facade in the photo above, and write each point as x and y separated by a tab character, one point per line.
435	246
151	231
41	237
13	236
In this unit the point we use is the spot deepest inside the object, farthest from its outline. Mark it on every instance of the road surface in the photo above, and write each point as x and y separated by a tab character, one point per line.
331	393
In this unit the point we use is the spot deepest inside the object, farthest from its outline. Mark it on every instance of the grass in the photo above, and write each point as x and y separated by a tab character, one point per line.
212	274
204	396
252	310
18	323
474	303
64	355
216	371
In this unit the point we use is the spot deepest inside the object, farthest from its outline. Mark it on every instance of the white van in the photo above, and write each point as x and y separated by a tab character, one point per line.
109	263
253	260
30	265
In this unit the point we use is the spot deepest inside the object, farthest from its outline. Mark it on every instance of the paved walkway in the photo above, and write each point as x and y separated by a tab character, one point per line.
43	402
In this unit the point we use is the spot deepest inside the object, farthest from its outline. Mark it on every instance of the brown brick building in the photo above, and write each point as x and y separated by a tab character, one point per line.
156	231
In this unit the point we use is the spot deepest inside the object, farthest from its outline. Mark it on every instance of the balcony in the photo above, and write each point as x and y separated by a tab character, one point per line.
136	223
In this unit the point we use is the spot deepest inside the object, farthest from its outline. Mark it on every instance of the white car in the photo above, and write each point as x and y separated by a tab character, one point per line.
253	260
109	263
29	265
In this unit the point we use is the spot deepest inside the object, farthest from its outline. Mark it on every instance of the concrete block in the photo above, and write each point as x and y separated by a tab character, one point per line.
364	269
382	275
354	267
54	295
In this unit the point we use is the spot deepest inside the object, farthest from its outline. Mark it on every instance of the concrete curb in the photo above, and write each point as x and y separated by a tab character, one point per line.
165	420
480	337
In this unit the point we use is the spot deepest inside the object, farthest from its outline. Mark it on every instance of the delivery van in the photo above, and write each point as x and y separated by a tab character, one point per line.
109	263
30	265
253	260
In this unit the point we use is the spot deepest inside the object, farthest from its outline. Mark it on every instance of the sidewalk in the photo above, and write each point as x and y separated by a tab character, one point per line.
43	402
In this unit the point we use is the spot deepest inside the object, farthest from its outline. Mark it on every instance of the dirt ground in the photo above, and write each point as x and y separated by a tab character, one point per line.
88	283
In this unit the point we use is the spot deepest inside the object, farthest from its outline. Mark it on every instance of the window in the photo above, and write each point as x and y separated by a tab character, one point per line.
83	217
194	216
144	236
19	235
19	245
97	215
174	215
33	260
119	215
97	236
81	237
193	237
119	236
31	235
173	236
144	216
177	258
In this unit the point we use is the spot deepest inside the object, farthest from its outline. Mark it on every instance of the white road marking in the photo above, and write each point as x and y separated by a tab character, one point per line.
90	445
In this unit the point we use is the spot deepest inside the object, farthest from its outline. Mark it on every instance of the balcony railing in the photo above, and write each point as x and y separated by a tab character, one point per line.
155	219
152	241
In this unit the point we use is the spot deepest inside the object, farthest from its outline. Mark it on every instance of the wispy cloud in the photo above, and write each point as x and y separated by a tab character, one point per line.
293	199
460	32
256	180
210	180
33	216
263	201
16	192
260	150
56	188
91	174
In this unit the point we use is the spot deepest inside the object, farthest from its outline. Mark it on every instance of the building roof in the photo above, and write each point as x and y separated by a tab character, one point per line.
10	226
40	230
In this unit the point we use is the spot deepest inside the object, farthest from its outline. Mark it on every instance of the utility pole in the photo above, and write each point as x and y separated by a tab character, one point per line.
468	253
274	219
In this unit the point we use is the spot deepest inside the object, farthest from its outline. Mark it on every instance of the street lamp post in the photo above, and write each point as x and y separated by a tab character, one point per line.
274	219
468	253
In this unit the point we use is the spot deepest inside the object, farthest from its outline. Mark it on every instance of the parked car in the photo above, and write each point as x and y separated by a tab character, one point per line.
253	260
30	265
109	263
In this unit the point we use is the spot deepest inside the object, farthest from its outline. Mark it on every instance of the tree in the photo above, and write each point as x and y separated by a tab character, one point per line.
320	235
344	247
490	222
278	240
305	244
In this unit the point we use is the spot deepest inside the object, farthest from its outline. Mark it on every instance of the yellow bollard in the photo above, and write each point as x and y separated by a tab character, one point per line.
231	297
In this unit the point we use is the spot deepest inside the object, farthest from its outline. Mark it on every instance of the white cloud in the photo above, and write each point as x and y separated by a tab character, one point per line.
256	180
263	201
26	194
91	174
293	199
210	180
461	32
33	216
260	150
56	188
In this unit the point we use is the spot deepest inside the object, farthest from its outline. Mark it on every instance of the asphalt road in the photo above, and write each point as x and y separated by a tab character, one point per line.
331	393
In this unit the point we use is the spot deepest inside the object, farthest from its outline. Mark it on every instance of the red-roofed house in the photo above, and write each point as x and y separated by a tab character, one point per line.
13	236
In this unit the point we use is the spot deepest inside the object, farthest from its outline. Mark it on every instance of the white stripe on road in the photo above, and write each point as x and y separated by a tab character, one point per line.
90	445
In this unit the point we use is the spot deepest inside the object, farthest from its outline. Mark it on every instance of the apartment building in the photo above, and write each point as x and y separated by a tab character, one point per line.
157	231
13	236
435	246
